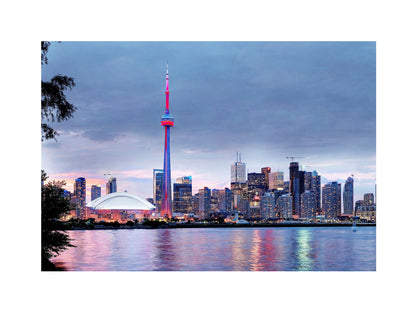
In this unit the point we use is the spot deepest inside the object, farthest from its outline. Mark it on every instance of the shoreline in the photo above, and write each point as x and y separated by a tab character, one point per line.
213	225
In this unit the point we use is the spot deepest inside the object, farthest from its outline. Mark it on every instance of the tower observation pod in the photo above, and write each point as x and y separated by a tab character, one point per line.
167	122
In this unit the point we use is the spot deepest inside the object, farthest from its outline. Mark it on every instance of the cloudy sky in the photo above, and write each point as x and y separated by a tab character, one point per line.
267	100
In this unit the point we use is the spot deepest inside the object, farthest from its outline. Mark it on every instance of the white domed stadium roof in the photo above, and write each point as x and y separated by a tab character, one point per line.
120	201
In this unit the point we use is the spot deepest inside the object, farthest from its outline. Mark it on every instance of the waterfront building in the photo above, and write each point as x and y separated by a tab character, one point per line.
267	206
294	187
238	171
95	191
276	181
157	188
182	195
167	122
254	206
266	172
204	203
316	188
367	213
348	196
111	185
119	206
284	207
308	205
331	200
80	196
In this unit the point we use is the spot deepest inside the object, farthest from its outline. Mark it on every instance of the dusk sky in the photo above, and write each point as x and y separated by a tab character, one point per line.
267	100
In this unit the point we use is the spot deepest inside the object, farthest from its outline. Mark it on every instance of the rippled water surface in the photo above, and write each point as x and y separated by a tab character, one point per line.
222	249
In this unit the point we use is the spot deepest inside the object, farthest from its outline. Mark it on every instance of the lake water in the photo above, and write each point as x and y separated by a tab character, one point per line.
222	249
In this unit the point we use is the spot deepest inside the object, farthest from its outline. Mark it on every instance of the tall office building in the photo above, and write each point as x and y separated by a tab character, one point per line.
204	203
80	196
238	171
256	181
331	200
308	181
276	181
182	195
225	200
284	207
95	192
308	205
316	188
157	188
294	187
267	206
266	172
111	185
348	196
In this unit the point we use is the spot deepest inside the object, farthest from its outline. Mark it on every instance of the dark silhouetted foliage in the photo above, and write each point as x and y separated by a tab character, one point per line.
55	107
54	206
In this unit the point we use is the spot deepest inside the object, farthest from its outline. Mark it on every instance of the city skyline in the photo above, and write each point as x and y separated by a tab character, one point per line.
227	97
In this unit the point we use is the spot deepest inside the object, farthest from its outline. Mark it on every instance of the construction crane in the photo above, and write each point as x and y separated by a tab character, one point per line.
108	174
293	157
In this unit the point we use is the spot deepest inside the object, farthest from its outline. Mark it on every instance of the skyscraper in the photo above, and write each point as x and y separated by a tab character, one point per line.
167	122
238	171
80	196
95	192
157	188
294	188
276	181
111	185
204	203
331	200
256	181
182	195
308	205
267	203
316	188
284	206
266	172
348	196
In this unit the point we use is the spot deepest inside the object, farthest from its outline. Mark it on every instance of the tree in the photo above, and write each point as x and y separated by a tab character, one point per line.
55	107
54	236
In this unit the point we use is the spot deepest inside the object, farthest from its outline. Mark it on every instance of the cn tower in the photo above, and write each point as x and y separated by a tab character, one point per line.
167	122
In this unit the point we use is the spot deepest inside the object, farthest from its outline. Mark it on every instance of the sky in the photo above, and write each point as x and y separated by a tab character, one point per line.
266	100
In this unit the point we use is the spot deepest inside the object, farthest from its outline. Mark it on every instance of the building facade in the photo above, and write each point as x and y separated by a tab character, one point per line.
316	189
157	188
204	203
95	192
182	195
80	196
284	207
111	185
348	196
308	205
331	200
267	206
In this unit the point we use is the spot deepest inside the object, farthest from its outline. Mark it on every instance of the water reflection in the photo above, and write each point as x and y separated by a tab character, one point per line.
218	249
303	252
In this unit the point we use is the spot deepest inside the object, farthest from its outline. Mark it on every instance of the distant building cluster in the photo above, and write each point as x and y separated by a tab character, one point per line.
261	195
266	196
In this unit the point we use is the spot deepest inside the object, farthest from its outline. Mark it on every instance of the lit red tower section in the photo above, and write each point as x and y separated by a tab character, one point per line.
167	122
